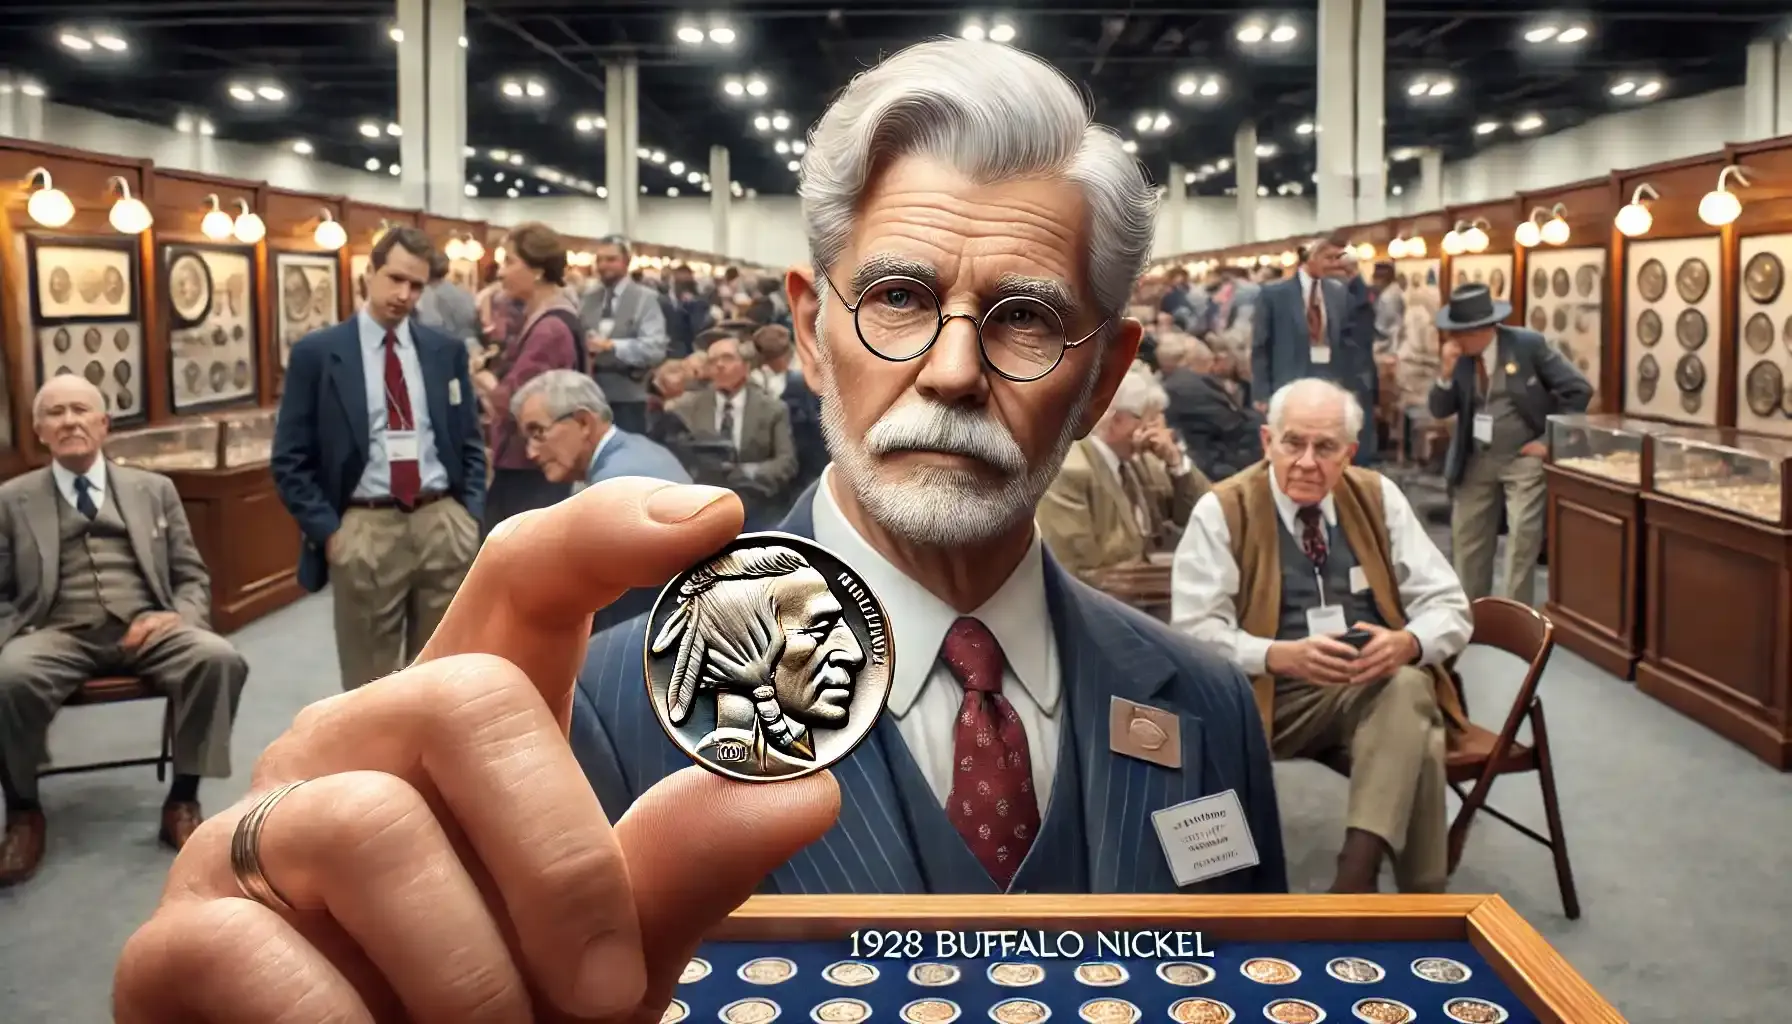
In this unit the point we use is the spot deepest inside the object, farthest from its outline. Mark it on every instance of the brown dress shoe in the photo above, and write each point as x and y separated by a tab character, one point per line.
179	821
23	849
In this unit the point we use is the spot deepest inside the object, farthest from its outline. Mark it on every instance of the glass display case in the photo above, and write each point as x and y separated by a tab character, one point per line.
188	445
248	438
1740	473
1606	446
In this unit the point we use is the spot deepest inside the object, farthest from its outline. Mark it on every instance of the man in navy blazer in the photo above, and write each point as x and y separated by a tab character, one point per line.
944	438
378	455
1313	323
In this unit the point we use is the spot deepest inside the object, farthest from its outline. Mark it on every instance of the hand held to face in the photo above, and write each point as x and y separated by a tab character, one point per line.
1448	353
445	854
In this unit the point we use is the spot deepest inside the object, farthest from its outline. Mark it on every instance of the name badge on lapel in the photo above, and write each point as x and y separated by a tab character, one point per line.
1205	838
454	392
1320	354
1147	733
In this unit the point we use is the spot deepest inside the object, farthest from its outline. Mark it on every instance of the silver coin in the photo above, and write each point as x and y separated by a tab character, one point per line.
841	1011
1442	970
1355	970
850	973
770	660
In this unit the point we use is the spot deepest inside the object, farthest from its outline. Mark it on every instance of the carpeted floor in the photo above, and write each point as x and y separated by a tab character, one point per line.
1680	841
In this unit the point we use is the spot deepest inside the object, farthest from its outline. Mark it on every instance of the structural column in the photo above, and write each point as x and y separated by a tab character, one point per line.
622	166
1350	123
720	200
1431	181
1783	90
1244	165
21	114
1761	91
1175	208
1371	112
432	105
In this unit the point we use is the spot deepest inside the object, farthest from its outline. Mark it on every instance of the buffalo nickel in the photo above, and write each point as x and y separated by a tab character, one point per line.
767	970
1020	1011
930	1011
1384	1011
755	1010
1355	970
1101	974
931	975
1441	970
850	973
1109	1011
675	1011
1474	1011
1201	1011
769	660
1013	975
1185	973
841	1011
1294	1011
1270	971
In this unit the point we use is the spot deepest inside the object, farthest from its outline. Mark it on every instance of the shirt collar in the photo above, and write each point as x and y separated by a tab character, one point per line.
373	335
597	453
919	620
1108	455
65	477
1290	512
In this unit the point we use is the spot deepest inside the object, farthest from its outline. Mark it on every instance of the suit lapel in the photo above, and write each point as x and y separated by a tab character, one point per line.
348	379
43	515
1335	313
433	360
1119	505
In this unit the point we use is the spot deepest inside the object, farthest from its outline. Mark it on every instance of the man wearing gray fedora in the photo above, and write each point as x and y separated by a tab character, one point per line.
1502	384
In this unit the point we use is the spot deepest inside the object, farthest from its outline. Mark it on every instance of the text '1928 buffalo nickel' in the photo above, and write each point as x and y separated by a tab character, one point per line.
769	660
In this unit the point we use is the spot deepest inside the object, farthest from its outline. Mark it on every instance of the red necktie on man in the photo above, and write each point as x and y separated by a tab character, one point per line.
407	479
1312	535
992	803
1315	314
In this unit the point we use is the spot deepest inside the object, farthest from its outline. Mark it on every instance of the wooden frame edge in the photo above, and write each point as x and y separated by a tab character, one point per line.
1528	964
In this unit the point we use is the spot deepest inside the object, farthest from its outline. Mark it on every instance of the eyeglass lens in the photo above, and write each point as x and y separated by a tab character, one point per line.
899	317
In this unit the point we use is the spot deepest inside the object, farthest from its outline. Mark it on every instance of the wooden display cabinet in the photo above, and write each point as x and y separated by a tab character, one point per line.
1505	961
1718	585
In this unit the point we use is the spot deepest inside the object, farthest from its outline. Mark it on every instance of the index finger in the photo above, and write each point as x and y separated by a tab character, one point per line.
1332	646
532	590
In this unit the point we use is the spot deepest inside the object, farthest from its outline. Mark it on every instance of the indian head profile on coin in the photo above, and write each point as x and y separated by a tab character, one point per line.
770	660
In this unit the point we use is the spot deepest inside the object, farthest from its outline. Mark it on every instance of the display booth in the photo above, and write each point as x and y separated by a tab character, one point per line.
1477	248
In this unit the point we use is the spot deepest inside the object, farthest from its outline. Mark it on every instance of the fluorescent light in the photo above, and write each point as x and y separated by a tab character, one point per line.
672	192
108	41
722	35
1185	87
1529	123
303	148
676	167
794	165
1573	34
780	122
471	190
973	30
514	90
1251	33
1487	127
1304	128
372	164
271	93
690	34
782	147
79	44
762	123
1211	87
34	90
242	94
395	34
1648	89
1443	87
393	129
733	87
756	87
1284	33
1001	32
1624	88
1541	34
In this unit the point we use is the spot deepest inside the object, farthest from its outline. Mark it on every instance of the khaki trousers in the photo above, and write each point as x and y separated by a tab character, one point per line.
1395	736
392	576
1487	482
198	669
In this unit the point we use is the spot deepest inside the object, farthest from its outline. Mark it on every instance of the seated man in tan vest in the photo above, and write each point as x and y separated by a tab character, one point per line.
1318	580
99	576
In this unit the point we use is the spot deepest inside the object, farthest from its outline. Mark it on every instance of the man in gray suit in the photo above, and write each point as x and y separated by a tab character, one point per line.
573	437
625	334
753	424
100	576
1309	325
1503	385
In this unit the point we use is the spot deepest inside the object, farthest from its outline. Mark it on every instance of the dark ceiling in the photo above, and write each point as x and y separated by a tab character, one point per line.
337	67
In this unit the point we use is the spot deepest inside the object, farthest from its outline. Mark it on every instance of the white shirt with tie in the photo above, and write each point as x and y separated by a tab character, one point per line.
735	404
925	697
1204	581
376	479
1307	283
65	484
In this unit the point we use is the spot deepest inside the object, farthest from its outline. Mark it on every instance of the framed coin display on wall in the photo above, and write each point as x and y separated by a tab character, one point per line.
80	315
1491	269
358	265
305	297
1764	335
91	279
1573	323
108	353
1671	312
211	296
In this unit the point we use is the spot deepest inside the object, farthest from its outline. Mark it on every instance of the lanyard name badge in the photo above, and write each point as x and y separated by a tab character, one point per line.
401	441
1327	619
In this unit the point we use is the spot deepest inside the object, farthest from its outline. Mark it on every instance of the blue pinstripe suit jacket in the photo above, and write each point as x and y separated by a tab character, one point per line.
1106	649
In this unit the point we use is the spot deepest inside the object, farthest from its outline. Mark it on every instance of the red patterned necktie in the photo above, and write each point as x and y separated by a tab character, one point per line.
1312	535
1315	315
406	478
992	803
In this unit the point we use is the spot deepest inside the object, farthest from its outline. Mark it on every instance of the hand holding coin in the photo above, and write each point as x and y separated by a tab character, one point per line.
442	856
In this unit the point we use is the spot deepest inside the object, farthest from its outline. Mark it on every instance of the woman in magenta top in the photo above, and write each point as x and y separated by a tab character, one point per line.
533	273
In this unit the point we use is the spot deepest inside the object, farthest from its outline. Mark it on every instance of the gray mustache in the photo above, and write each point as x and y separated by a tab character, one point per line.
948	430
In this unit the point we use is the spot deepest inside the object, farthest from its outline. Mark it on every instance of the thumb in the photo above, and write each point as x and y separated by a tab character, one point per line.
687	879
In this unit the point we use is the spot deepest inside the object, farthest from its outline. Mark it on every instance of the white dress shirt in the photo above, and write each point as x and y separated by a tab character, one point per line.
1204	581
925	696
65	483
376	479
772	381
1307	283
738	402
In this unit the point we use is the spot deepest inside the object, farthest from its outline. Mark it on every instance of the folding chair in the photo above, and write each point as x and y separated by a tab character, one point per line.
117	690
1483	756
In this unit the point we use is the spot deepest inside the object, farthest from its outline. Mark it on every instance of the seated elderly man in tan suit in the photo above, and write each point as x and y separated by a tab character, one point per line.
1126	489
99	575
1318	580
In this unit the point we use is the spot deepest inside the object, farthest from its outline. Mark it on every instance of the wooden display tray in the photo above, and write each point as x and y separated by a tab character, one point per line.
248	540
1595	568
1522	959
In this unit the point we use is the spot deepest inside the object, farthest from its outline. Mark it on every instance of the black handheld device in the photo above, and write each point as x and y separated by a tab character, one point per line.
1358	638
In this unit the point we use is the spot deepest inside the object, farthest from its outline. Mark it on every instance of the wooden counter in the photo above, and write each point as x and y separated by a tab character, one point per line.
1595	561
249	541
1716	642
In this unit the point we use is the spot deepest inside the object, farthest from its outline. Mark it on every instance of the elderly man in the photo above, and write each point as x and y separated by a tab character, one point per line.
1102	510
625	333
573	438
1503	384
102	577
752	425
1316	578
1219	430
441	827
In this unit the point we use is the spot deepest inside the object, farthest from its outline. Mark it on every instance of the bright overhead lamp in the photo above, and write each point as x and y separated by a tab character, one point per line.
1555	230
248	227
1487	127
1266	149
394	170
734	87
498	176
694	178
584	124
1284	33
973	30
782	147
676	167
1540	33
206	128
541	189
395	34
217	225
1001	32
303	148
721	35
393	129
1624	88
1129	146
1572	34
471	190
757	87
242	94
1189	177
1720	206
500	155
799	147
658	156
706	187
512	193
1397	248
672	193
1160	123
514	90
1528	123
1143	124
1262	190
794	165
762	123
372	164
1304	128
1476	239
1417	87
534	89
602	192
128	216
1635	219
516	159
1441	88
1528	233
690	34
112	43
1649	89
1251	33
75	42
1186	87
463	42
1211	87
270	92
780	122
369	130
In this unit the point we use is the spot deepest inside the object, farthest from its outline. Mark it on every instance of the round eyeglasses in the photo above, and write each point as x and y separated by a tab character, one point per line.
899	318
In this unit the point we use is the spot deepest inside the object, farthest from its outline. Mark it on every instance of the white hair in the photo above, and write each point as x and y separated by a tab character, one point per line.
993	113
1139	393
1316	389
566	392
1172	348
96	398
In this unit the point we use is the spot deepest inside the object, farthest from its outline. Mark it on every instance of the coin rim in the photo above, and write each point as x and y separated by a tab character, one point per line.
1504	1013
682	1005
1170	1011
708	969
1381	975
1315	1007
990	974
1414	1014
647	658
1022	999
1211	973
1468	972
875	973
741	971
957	1010
777	1007
957	973
1274	984
815	1010
1125	975
1138	1012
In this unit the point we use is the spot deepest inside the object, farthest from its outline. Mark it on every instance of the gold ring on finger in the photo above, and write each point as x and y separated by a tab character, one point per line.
245	851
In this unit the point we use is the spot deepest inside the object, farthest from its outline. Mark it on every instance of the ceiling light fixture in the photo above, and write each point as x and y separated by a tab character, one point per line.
217	225
1528	123
721	35
1476	238
511	88
694	178
270	92
658	156
1649	89
541	189
242	94
1284	33
369	130
757	87
1571	35
782	147
1453	243
303	148
471	190
1266	149
734	87
762	123
1624	88
690	34
1635	220
111	42
794	165
516	160
463	42
1304	128
330	233
393	129
1720	206
372	164
1251	32
249	227
395	34
973	30
206	128
1487	127
1129	146
394	170
1530	233
1540	33
72	41
129	216
676	167
1555	230
799	147
602	192
534	89
498	176
1001	32
1441	88
512	193
780	122
672	193
1397	248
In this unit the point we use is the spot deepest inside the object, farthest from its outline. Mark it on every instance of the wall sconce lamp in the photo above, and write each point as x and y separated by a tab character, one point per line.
1720	206
1407	248
1453	243
1530	233
49	205
498	254
129	216
249	227
1476	239
1635	219
1289	258
217	224
1365	251
330	233
1397	247
1555	230
468	249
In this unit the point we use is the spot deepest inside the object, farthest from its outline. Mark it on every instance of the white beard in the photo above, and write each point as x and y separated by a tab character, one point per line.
935	506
